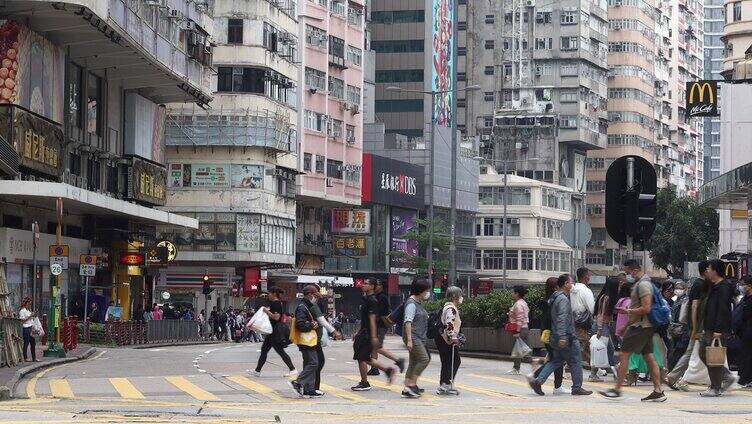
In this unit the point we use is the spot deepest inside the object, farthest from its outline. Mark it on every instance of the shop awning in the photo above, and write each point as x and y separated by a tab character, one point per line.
731	190
84	202
326	280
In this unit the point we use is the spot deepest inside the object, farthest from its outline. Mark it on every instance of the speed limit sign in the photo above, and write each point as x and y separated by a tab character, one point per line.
56	269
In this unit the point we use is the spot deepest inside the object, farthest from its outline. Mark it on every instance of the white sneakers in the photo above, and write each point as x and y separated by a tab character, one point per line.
562	391
291	374
513	372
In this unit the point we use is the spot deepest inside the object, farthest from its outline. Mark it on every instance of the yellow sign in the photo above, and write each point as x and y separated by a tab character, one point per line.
739	213
702	98
701	89
730	270
59	250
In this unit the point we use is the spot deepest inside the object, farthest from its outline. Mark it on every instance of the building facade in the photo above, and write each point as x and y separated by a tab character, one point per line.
713	54
82	121
332	38
737	33
535	217
233	167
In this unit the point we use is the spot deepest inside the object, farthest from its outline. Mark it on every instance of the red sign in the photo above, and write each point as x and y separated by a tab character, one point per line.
393	284
484	287
358	283
131	259
251	282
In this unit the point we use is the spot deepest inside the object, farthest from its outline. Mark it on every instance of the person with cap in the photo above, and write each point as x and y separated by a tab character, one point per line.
305	384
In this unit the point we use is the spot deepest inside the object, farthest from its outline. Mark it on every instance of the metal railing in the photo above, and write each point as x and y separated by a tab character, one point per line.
11	334
126	333
171	330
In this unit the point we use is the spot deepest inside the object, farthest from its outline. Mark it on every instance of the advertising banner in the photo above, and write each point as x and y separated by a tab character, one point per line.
443	38
248	232
392	182
702	98
403	220
209	175
349	246
247	176
351	221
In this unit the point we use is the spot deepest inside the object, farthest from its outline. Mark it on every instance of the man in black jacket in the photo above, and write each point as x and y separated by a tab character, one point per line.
717	325
743	329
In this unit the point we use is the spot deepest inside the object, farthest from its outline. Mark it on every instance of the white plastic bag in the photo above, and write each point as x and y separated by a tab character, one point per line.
521	349
260	323
599	352
324	337
36	328
697	372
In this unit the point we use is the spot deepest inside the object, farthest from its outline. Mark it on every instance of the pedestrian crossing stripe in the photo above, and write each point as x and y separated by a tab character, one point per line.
126	389
186	386
256	387
343	393
396	388
476	390
60	388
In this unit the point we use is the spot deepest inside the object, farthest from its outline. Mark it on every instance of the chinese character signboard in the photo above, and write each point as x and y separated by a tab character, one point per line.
702	98
38	141
392	182
147	182
351	221
349	246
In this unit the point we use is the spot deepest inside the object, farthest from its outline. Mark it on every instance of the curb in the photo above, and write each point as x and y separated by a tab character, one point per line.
194	343
6	392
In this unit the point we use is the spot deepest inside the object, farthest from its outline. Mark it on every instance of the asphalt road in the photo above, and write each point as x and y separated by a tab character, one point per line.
210	383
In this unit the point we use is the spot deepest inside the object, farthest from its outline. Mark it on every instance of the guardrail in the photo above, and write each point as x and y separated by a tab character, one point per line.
171	330
11	334
127	333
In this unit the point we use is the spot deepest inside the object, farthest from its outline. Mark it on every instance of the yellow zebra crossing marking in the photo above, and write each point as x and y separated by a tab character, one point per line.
186	386
396	388
126	389
476	390
343	393
256	387
60	389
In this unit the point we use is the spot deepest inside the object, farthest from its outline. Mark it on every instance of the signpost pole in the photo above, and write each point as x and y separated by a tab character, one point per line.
34	235
53	343
86	300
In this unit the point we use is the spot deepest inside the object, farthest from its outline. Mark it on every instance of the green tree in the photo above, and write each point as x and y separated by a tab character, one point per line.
419	264
684	232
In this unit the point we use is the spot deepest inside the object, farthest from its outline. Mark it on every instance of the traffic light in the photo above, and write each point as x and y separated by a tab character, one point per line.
207	288
631	208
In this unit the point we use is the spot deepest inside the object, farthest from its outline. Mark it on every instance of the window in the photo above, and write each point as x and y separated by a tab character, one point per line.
488	96
596	186
307	159
350	134
398	46
314	121
526	260
488	70
543	43
354	16
568	121
462	26
461	76
353	95
397	16
489	44
568	97
337	7
335	128
402	75
334	169
569	17
234	31
556	199
320	160
550	229
595	209
270	37
569	43
336	51
495	196
352	174
737	5
507	69
315	79
493	259
543	17
236	79
316	36
489	19
75	86
462	51
336	87
354	55
94	104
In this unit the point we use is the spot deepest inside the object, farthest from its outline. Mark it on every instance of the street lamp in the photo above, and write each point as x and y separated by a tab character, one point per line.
453	194
504	214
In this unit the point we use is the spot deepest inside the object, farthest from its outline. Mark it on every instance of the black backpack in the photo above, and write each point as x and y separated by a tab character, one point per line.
435	326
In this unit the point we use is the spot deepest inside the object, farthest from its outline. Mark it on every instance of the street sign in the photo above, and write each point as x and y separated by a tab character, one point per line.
56	269
59	255
87	265
576	233
172	250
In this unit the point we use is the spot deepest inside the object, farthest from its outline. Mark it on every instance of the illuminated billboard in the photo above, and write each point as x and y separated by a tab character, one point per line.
443	60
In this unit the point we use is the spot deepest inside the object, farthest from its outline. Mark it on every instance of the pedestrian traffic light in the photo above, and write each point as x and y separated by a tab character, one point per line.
631	187
207	288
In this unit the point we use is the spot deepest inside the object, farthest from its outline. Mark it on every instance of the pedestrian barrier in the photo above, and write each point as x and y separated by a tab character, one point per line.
127	333
11	334
70	333
349	329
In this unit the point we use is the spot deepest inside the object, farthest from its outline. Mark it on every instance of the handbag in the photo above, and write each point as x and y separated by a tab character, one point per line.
545	336
715	354
308	338
511	327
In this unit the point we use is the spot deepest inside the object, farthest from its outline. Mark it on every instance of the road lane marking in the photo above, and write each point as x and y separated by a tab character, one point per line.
126	389
502	380
31	386
256	387
343	393
60	389
396	388
197	392
476	390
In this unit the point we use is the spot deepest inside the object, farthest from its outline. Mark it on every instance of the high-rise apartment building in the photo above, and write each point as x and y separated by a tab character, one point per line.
654	49
713	49
737	33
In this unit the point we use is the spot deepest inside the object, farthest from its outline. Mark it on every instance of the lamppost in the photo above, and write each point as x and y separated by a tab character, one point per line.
431	160
505	202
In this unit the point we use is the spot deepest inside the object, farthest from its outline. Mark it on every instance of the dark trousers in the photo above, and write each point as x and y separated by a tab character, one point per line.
29	340
558	373
745	361
716	374
321	360
307	377
266	347
446	353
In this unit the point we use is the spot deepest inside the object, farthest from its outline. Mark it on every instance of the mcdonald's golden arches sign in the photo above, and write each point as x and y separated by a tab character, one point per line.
702	98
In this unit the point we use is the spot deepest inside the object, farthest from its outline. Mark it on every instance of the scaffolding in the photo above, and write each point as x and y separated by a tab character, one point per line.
190	125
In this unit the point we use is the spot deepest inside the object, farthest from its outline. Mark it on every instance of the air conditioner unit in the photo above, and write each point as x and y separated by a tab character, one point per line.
329	182
600	243
152	3
355	109
351	139
530	3
175	14
345	106
514	221
485	137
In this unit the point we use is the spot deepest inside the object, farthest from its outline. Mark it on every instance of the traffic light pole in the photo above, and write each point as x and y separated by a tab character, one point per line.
630	186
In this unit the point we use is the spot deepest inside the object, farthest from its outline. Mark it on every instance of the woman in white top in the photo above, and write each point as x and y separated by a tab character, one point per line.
447	342
27	318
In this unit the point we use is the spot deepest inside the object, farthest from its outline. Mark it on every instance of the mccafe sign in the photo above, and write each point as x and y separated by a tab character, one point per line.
702	98
392	182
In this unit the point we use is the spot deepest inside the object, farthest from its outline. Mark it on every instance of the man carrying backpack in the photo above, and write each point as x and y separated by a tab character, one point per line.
366	342
638	337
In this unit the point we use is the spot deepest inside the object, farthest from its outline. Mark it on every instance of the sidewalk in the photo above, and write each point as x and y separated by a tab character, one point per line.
10	376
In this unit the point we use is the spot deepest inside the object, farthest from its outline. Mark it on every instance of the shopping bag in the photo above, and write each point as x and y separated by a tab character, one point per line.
511	327
260	323
545	336
715	354
697	372
599	352
521	349
36	328
324	337
309	338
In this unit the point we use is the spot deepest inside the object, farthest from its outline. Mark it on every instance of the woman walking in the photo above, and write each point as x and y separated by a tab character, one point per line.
448	341
415	336
605	305
27	318
277	339
519	314
546	327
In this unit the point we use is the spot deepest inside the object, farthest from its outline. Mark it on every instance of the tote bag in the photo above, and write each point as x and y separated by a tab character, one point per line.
308	338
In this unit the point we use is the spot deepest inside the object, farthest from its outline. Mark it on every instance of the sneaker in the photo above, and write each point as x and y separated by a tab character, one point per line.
443	389
297	387
711	392
594	378
655	397
728	384
363	386
562	391
256	373
409	392
291	374
611	394
320	393
579	391
400	363
313	395
513	371
536	386
374	371
390	374
602	372
417	389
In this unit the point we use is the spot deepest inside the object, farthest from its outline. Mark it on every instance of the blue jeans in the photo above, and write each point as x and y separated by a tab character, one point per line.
571	355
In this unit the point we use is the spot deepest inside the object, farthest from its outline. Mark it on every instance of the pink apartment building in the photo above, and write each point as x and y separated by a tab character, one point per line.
331	119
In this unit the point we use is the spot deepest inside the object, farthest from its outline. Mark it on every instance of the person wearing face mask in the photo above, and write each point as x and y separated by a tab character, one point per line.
415	335
305	384
519	314
742	326
447	342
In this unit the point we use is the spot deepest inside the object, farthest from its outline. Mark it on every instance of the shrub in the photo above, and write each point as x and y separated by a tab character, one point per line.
491	310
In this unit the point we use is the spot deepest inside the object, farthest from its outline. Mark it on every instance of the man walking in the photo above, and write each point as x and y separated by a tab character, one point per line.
305	384
366	341
383	324
566	347
583	305
717	325
638	337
